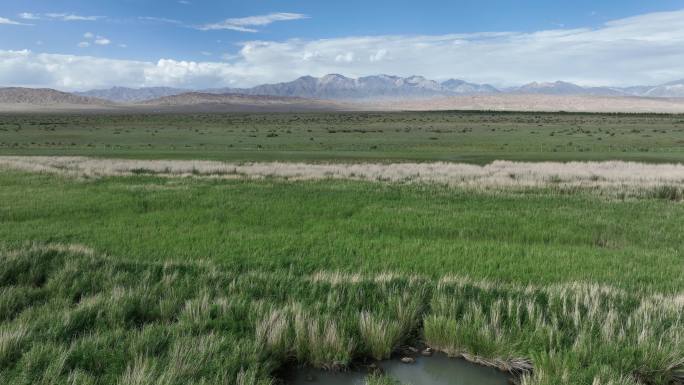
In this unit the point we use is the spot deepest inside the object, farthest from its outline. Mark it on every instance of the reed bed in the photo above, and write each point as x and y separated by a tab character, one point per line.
72	316
616	175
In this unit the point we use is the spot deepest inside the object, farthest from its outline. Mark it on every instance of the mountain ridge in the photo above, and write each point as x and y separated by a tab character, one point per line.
47	100
45	97
387	87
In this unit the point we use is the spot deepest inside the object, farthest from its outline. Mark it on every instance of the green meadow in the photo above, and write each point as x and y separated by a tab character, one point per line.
148	279
475	137
538	236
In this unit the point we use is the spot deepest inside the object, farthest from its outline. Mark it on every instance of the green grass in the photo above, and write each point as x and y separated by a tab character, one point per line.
153	280
477	137
538	236
71	316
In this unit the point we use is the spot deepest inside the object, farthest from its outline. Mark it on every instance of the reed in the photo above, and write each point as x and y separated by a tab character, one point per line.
240	327
664	181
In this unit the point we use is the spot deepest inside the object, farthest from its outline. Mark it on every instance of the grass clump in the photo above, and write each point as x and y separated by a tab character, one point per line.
379	379
198	323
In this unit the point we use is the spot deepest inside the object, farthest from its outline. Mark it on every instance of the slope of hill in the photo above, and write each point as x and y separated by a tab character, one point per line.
128	95
16	99
44	97
669	90
564	88
202	101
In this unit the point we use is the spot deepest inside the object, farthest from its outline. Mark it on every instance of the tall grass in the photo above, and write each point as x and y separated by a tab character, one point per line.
664	181
344	228
106	320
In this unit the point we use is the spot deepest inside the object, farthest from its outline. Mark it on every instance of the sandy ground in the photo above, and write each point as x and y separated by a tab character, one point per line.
548	103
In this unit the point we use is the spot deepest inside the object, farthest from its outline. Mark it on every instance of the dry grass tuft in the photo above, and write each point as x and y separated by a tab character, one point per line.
656	180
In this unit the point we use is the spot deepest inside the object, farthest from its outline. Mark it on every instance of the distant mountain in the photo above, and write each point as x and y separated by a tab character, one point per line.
668	90
384	87
131	95
555	88
339	87
464	88
45	97
564	88
532	97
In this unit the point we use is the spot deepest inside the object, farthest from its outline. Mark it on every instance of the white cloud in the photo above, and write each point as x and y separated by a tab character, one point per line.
123	45
378	56
71	17
57	16
10	22
29	16
184	2
247	24
160	20
96	39
83	44
102	41
646	49
347	57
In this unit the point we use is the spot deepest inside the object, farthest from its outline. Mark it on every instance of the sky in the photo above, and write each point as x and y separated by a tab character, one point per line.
85	44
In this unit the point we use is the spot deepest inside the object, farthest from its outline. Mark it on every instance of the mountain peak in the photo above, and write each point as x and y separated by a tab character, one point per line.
334	76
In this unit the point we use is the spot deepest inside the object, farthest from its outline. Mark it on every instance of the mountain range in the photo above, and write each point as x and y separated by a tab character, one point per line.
532	98
386	87
16	99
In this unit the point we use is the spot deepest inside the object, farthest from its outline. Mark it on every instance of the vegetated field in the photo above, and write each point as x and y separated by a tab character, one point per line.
225	279
477	137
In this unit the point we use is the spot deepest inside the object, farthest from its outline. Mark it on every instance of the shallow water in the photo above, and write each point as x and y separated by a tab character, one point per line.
435	370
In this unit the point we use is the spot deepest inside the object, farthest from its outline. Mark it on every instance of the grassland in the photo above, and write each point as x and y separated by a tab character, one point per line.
172	277
537	236
475	137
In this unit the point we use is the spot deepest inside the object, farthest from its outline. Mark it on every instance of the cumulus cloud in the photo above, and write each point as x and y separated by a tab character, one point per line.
644	49
73	72
247	24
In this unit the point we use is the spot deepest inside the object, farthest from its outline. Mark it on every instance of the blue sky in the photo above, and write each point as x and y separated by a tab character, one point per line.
195	43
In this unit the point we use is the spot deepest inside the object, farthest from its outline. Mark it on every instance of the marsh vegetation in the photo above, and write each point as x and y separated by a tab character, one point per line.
225	271
72	316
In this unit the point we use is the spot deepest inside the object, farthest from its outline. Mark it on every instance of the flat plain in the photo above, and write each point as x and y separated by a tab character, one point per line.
144	274
472	137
